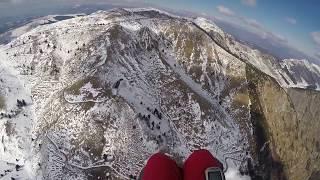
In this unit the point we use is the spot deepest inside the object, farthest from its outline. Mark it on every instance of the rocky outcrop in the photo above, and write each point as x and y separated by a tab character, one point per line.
287	128
307	135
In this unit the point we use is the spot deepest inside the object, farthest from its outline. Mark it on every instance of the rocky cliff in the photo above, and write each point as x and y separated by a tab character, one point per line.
287	123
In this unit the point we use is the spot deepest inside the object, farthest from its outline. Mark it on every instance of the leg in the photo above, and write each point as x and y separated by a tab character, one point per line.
161	167
195	166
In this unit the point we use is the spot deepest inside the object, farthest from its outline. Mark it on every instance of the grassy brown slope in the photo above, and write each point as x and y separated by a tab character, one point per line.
289	121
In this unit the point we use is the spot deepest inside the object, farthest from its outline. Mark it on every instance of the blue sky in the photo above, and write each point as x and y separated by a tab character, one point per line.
293	23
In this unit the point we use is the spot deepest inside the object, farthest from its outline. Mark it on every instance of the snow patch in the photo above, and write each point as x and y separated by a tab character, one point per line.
234	174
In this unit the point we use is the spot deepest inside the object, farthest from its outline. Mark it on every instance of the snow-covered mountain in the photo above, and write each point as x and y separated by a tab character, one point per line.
302	73
14	33
93	97
285	72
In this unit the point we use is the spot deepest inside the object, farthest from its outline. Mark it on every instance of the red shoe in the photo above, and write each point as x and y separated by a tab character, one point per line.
200	164
161	167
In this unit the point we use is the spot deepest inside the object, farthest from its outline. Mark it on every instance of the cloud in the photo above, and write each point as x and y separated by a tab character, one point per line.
251	3
277	37
249	21
263	31
266	34
317	54
11	1
316	37
225	11
253	25
291	20
252	22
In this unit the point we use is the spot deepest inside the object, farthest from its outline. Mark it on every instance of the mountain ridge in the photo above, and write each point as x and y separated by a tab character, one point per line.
109	89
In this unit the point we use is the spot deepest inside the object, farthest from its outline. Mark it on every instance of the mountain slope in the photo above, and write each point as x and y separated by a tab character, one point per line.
302	73
111	88
264	62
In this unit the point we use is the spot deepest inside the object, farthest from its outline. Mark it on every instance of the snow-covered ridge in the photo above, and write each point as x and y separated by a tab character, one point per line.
14	33
208	25
266	64
270	66
303	73
309	78
124	69
150	9
109	89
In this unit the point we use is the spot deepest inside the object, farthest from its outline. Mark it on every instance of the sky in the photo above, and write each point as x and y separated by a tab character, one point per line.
292	23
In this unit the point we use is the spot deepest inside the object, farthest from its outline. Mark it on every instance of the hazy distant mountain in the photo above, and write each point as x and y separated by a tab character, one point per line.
279	50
